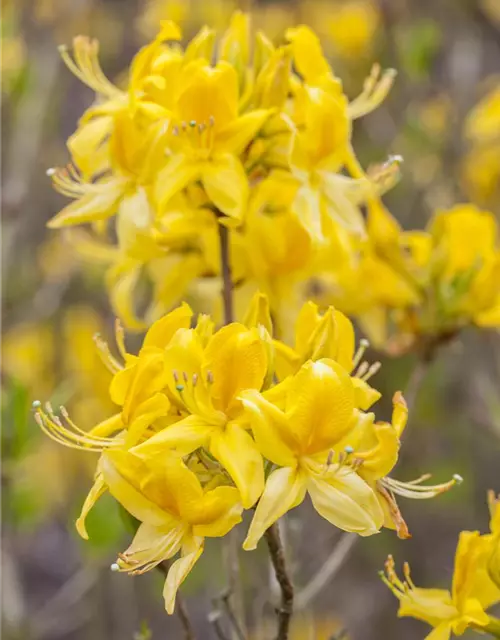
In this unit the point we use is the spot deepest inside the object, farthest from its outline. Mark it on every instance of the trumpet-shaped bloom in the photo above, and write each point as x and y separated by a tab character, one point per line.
448	612
138	386
296	426
375	450
175	511
206	376
206	137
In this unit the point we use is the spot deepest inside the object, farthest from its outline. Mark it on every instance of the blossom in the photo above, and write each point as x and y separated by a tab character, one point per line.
206	375
448	612
176	513
296	426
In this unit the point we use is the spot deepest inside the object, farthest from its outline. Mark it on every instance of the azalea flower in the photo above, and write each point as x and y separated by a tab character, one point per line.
297	425
176	513
455	611
206	375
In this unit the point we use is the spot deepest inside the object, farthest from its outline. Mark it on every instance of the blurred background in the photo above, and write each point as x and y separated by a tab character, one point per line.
56	586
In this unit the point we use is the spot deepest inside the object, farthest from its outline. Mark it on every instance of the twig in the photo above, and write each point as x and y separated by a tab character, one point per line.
180	607
278	560
214	619
233	619
232	548
327	572
227	290
415	381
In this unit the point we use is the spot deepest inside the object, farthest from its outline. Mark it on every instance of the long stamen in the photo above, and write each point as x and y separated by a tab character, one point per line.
417	491
106	356
372	370
85	66
363	346
72	437
120	339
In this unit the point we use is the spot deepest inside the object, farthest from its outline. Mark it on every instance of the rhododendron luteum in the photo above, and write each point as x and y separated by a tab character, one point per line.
202	412
184	146
424	285
474	588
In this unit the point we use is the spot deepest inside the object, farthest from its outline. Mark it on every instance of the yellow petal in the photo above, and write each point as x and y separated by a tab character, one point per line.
87	145
365	395
107	427
162	331
179	171
399	413
144	416
226	184
345	500
473	615
307	54
237	451
285	489
307	321
121	282
490	318
151	545
433	606
127	495
98	488
258	313
209	94
308	208
219	511
146	379
98	202
441	632
201	46
270	429
236	356
470	578
320	405
191	551
287	360
184	437
236	136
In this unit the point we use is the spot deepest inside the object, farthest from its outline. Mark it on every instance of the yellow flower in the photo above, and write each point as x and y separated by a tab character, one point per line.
328	335
448	612
353	27
138	386
296	425
206	375
175	511
483	121
274	247
131	155
375	450
206	136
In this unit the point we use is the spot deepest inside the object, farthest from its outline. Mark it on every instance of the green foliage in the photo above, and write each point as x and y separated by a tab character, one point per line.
419	45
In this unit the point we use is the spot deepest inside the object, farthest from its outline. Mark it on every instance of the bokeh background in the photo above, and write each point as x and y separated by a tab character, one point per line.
55	586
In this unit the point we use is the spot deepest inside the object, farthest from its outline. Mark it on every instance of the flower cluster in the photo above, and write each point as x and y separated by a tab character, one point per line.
425	285
475	587
207	136
211	422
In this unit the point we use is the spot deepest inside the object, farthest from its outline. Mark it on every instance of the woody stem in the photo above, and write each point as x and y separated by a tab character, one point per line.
278	560
227	289
232	548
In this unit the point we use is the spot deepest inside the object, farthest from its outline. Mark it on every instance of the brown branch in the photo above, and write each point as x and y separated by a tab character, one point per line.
278	560
227	290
